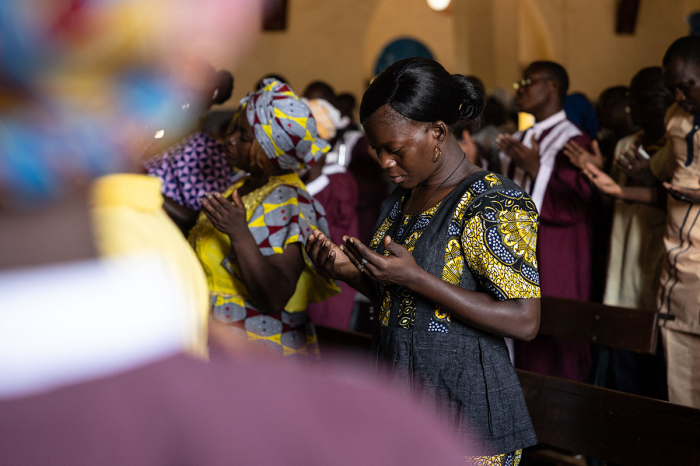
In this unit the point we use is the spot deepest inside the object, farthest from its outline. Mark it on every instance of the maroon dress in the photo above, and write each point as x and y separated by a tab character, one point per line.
339	199
563	198
564	258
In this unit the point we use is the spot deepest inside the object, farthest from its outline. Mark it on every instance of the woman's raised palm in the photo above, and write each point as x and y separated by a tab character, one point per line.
329	259
602	180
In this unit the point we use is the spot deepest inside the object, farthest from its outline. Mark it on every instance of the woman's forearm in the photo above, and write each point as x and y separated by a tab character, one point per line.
266	282
513	318
182	216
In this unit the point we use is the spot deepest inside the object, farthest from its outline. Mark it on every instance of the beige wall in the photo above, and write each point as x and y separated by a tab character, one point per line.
409	18
323	40
506	35
339	40
584	34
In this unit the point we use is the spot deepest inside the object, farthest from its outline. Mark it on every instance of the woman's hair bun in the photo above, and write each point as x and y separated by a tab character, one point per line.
472	98
422	90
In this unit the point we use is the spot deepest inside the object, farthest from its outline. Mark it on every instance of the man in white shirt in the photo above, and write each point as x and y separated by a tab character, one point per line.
535	160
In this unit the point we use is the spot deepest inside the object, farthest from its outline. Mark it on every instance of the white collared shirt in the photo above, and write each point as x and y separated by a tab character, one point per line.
562	130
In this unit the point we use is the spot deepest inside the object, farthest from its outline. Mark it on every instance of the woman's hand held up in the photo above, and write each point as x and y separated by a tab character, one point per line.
226	216
602	181
329	259
399	267
404	266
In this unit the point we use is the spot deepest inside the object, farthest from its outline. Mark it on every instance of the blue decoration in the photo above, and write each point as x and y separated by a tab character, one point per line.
398	50
693	21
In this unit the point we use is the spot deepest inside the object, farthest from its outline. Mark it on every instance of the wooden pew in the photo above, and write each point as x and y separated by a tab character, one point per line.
613	426
614	327
605	326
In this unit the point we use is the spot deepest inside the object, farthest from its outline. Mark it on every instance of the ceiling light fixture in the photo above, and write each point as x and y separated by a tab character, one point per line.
438	5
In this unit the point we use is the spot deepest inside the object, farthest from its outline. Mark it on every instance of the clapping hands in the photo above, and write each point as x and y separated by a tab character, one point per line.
579	156
527	158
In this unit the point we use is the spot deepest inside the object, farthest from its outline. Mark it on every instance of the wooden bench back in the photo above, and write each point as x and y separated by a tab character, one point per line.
615	327
614	426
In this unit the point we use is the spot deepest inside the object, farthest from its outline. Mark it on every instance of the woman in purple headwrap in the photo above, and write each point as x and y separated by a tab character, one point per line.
197	164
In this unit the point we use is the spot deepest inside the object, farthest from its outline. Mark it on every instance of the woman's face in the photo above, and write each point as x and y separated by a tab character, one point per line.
404	147
239	142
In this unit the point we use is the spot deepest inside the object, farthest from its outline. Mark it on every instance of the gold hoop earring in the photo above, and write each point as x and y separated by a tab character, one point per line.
437	153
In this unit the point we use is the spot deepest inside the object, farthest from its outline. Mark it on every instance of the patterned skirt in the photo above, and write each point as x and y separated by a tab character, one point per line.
289	334
506	459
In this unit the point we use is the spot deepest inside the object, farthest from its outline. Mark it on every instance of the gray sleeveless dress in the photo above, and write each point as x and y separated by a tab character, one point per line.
481	237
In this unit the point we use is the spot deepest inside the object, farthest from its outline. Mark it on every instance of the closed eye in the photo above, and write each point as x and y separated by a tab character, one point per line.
378	151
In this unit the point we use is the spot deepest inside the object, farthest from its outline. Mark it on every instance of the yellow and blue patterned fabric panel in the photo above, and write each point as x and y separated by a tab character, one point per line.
494	234
499	244
279	213
505	459
407	313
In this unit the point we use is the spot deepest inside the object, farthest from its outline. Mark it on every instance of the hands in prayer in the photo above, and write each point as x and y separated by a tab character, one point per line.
330	259
580	156
350	261
226	216
526	158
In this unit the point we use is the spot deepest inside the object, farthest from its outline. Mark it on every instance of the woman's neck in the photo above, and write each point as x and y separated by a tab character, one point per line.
257	181
455	169
280	172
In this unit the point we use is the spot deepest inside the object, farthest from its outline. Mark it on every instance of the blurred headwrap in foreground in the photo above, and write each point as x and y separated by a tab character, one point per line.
85	83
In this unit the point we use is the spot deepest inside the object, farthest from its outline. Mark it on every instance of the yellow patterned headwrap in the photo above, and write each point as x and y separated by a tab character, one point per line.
284	126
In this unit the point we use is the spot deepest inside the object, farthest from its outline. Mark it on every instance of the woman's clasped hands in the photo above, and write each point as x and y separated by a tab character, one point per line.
351	261
226	216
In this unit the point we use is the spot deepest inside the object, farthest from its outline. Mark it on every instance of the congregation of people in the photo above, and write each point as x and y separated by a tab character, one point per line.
436	221
595	173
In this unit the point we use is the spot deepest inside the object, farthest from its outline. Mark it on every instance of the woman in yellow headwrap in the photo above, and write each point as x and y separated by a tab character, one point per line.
250	238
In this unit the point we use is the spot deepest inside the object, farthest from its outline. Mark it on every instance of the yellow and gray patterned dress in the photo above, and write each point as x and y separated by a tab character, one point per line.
279	214
481	237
